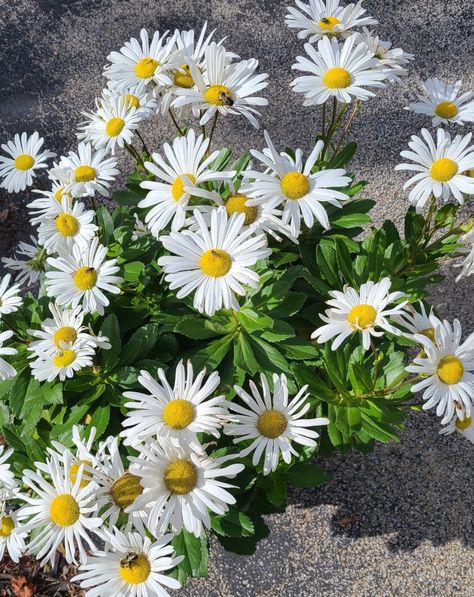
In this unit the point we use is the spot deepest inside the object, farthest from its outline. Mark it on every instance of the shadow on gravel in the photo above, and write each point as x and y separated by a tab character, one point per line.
412	492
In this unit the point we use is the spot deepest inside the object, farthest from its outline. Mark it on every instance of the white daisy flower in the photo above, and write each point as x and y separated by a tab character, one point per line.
117	489
28	270
443	103
362	311
337	71
440	166
390	61
81	277
137	97
8	484
322	18
272	422
85	172
174	414
65	225
133	568
62	362
214	263
66	327
181	487
468	264
12	537
463	426
24	158
42	205
417	322
223	89
112	124
142	61
82	455
9	299
446	367
186	166
59	511
6	370
291	182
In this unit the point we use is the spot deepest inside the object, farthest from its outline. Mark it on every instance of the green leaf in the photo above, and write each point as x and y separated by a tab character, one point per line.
195	554
140	344
305	474
127	198
100	419
132	271
233	524
274	487
343	157
252	321
18	391
299	348
106	224
213	353
244	356
110	328
77	414
344	260
197	328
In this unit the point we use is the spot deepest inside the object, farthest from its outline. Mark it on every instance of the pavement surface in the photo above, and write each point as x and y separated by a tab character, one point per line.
412	532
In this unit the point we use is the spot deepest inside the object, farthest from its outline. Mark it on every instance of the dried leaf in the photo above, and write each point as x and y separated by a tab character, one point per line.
347	520
22	586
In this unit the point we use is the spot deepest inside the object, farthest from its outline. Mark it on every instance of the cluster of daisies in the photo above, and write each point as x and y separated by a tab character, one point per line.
116	516
445	365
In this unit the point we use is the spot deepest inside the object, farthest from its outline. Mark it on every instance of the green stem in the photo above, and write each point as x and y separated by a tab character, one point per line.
323	124
136	156
145	148
348	125
214	123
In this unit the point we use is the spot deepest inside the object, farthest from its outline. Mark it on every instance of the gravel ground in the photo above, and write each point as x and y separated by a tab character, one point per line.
412	532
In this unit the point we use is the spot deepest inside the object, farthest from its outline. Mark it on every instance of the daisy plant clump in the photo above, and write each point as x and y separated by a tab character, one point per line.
169	366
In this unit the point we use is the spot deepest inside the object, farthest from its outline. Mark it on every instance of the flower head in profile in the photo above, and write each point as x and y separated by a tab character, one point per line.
417	321
326	18
138	96
181	487
82	277
365	311
223	88
272	422
18	168
467	266
10	301
461	424
12	535
26	262
440	167
291	183
444	102
174	414
446	368
6	370
343	72
215	262
132	567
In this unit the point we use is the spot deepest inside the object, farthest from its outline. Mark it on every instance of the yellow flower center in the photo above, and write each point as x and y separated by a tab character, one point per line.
450	370
215	263
7	526
362	316
178	414
125	490
65	334
236	204
217	95
24	162
328	23
131	100
429	333
295	185
64	358
337	78
180	476
135	568
446	110
58	195
443	170
67	225
114	127
177	189
84	173
183	77
85	278
64	510
272	423
146	67
464	424
86	476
